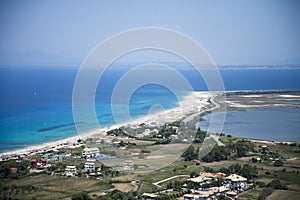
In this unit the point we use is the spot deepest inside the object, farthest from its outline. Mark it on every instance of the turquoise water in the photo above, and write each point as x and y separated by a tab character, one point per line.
36	102
278	124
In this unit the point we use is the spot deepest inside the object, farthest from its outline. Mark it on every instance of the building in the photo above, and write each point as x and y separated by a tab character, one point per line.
207	178
190	197
236	182
204	195
128	165
146	132
89	167
90	153
201	180
33	163
149	196
41	164
231	194
70	171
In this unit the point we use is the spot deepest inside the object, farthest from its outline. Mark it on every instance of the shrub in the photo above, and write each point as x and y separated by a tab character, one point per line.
278	163
80	196
276	184
265	193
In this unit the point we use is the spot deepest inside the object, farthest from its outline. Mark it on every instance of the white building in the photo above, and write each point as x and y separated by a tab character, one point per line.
149	196
128	165
89	167
236	182
146	132
204	195
90	153
70	171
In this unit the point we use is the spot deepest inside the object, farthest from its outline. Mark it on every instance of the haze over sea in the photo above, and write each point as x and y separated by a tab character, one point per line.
36	102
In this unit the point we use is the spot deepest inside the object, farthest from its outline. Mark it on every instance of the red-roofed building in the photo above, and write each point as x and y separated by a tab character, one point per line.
41	164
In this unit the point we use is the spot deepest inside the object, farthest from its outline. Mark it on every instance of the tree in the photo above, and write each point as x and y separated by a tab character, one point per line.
218	153
190	153
200	136
223	197
208	169
80	196
276	184
278	163
235	168
248	171
242	147
193	174
225	170
265	193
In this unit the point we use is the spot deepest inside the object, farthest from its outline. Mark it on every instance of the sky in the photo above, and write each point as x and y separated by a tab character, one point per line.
231	31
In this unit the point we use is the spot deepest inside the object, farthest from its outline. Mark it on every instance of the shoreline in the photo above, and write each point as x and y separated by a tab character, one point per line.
191	104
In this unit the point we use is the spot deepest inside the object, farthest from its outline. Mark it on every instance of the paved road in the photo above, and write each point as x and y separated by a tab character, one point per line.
192	116
216	106
167	179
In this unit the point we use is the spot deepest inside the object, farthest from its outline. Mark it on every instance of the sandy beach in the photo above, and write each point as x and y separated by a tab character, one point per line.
189	105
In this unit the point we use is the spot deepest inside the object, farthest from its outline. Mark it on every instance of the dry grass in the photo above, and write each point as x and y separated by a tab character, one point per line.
284	194
125	187
56	187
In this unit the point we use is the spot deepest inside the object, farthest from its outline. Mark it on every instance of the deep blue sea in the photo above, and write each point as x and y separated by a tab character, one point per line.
36	101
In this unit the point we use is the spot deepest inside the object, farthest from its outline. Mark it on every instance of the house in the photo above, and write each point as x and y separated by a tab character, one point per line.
201	180
33	163
89	167
149	196
204	195
13	170
207	178
70	171
204	178
41	164
154	131
208	195
139	135
236	182
146	132
220	176
175	129
190	197
231	194
128	164
90	153
173	137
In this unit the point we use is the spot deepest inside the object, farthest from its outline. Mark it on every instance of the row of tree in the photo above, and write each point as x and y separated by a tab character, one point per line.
218	153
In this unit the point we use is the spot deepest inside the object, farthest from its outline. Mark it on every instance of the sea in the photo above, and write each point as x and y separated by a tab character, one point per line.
36	102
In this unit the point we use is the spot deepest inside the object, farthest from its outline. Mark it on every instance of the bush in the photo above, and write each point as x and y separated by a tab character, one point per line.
276	184
80	196
261	184
193	174
265	193
278	163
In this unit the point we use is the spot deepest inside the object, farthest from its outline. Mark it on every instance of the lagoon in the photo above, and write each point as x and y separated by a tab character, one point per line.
274	124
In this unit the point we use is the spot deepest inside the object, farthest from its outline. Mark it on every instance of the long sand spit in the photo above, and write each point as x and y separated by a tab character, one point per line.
191	104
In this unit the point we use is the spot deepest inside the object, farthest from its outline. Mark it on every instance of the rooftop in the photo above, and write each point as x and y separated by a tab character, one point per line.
236	178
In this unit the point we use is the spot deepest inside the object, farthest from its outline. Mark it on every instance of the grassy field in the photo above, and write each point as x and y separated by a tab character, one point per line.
52	187
284	195
42	186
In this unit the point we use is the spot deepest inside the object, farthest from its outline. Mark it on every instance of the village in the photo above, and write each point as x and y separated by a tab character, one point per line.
116	159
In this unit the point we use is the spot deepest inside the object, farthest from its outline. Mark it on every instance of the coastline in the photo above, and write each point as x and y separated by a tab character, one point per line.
192	103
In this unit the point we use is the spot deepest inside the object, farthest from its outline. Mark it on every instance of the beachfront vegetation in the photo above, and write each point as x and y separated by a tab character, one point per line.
268	167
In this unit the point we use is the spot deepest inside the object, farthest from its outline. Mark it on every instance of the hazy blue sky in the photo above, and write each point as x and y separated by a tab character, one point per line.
232	32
